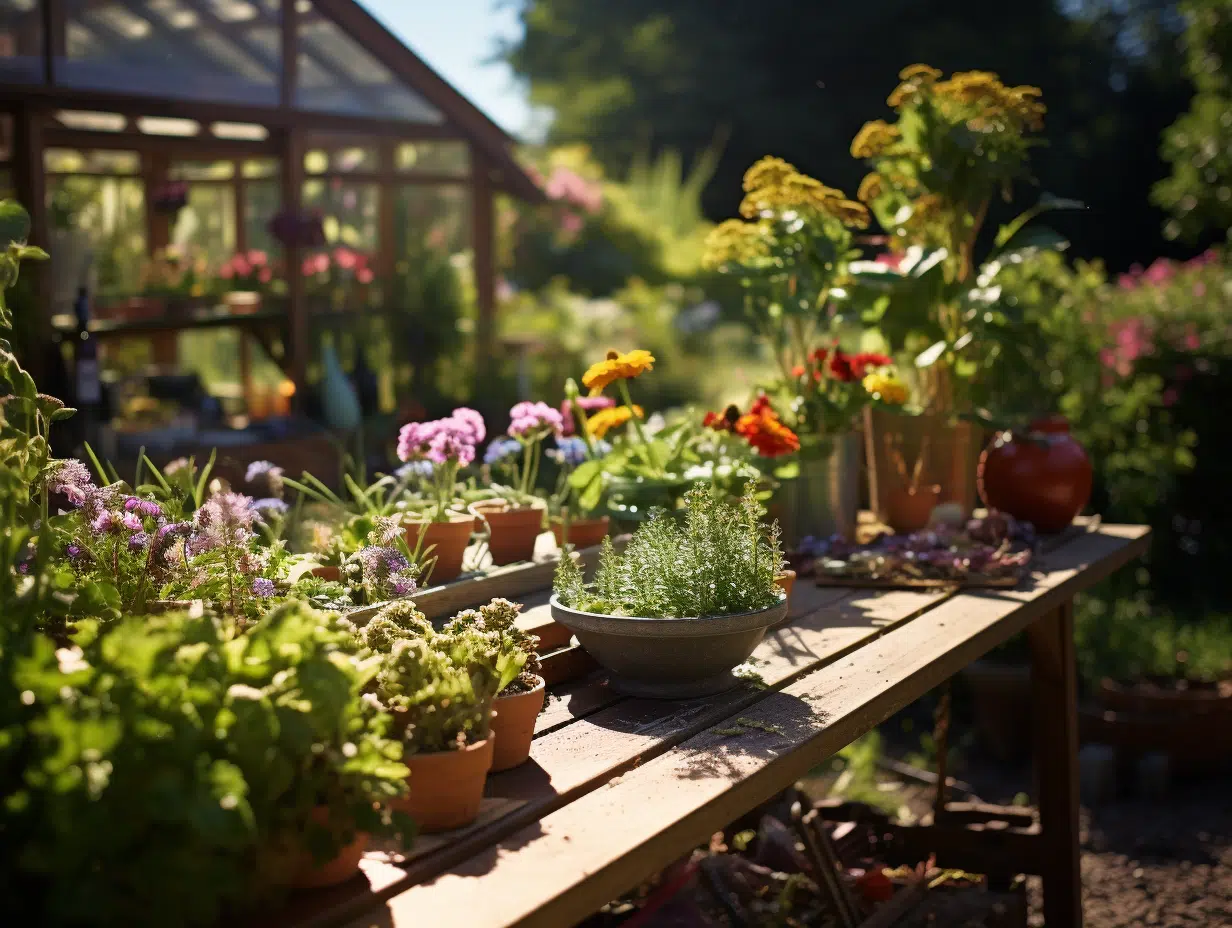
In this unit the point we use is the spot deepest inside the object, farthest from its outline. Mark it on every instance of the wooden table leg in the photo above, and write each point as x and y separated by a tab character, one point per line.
1054	687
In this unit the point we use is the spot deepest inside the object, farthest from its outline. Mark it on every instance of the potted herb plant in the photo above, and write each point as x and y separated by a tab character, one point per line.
444	445
515	519
687	600
520	701
791	252
440	687
954	146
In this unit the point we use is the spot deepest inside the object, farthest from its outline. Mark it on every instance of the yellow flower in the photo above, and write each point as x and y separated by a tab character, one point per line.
768	172
849	213
887	388
870	188
603	421
617	366
873	139
737	242
925	74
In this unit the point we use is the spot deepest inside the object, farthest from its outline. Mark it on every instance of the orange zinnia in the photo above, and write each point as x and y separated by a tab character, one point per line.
762	428
617	366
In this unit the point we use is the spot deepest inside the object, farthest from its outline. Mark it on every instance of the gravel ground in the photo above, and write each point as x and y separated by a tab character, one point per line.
1165	863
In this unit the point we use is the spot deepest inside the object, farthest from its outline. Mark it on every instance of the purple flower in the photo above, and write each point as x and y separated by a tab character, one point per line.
71	478
74	551
143	507
105	522
420	469
132	522
527	417
268	506
571	451
500	449
139	541
267	475
385	569
226	519
263	587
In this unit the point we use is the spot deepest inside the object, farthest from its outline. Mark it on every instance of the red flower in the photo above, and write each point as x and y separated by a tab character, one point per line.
762	428
724	421
866	359
761	406
798	370
819	355
874	885
841	367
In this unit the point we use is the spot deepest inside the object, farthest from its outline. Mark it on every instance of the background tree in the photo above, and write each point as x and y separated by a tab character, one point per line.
1199	143
797	79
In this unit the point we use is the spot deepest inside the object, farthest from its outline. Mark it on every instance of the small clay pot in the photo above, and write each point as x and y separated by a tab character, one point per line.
446	786
1043	477
309	874
785	581
327	572
513	724
514	531
448	541
908	509
242	302
583	533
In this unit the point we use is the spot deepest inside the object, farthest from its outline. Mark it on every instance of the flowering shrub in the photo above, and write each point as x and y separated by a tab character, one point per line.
246	270
337	277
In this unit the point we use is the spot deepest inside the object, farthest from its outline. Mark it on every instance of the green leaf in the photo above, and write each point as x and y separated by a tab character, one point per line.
103	479
65	412
1047	203
204	479
14	223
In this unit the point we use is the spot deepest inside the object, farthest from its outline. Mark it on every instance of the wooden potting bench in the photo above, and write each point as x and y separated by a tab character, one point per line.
616	788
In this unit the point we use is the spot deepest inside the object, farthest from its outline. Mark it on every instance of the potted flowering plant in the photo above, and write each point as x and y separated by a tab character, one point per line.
573	524
337	279
519	702
440	687
791	252
445	446
244	278
705	583
954	145
515	518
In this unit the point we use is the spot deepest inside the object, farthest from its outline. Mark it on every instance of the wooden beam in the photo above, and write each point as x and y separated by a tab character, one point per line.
484	250
292	179
197	147
1054	710
290	55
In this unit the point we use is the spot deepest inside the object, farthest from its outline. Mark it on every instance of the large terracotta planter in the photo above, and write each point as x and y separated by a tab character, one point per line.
670	658
446	787
514	530
448	541
583	533
786	580
1043	477
907	509
824	499
309	874
953	453
513	725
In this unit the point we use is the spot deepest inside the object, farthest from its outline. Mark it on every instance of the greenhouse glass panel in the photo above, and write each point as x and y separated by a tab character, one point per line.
338	75
208	50
21	42
434	158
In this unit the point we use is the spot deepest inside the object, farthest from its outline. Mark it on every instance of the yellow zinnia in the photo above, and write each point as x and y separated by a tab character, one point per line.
617	366
886	387
605	420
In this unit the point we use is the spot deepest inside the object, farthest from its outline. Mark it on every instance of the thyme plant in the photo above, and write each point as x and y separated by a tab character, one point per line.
719	559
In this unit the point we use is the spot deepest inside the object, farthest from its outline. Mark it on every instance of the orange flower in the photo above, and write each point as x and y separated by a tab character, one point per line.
617	366
724	421
605	420
762	428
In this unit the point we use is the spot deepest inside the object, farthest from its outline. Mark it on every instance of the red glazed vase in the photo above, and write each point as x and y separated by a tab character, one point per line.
1043	477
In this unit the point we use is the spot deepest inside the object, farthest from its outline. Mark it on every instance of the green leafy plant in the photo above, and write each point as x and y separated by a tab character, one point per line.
498	620
720	558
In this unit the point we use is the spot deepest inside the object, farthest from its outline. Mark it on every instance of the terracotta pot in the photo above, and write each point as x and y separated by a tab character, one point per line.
447	788
785	581
242	302
513	725
309	874
1043	477
514	531
327	572
953	449
583	533
448	541
907	510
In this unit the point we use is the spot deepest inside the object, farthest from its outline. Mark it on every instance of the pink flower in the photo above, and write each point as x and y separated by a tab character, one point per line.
132	522
1192	342
442	440
265	275
571	187
473	420
364	275
1199	290
258	258
1161	271
891	259
571	223
345	258
527	417
1169	397
587	404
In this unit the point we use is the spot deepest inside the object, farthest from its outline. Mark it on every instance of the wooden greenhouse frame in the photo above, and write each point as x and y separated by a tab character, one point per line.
71	55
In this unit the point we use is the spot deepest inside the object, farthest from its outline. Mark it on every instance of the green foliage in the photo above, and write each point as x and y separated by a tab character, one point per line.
1198	145
161	764
718	559
498	620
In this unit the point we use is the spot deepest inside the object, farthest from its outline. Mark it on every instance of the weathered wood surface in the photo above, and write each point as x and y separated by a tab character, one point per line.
598	829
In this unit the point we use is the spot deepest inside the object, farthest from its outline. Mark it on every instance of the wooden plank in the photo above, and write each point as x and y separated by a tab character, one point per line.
561	868
1054	707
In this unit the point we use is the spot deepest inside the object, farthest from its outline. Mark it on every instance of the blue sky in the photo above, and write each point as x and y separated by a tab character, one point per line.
456	37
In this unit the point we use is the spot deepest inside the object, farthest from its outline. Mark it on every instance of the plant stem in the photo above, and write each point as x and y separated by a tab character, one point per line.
647	455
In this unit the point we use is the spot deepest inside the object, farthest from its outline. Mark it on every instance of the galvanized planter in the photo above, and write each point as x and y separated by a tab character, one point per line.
670	658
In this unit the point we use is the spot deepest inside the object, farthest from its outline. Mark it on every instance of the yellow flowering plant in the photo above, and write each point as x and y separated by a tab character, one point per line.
954	146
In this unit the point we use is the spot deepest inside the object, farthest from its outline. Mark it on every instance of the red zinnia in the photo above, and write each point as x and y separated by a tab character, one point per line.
763	429
841	367
724	421
866	359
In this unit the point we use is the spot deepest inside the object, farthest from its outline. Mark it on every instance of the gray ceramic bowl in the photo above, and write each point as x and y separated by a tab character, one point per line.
670	658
